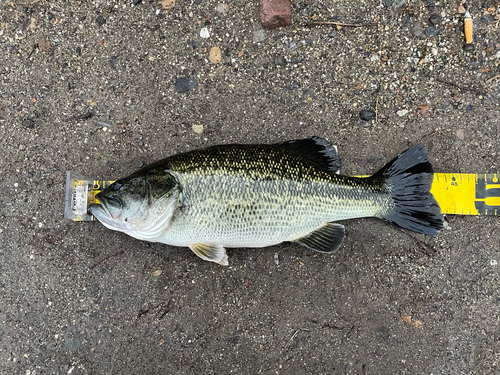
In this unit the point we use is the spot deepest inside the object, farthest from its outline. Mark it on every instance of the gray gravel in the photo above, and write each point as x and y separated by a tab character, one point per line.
76	298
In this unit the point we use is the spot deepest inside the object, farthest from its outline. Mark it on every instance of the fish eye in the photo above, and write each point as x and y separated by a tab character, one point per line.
117	185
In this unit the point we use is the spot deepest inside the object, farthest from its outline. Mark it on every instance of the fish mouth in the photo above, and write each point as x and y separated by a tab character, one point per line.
100	210
104	215
105	207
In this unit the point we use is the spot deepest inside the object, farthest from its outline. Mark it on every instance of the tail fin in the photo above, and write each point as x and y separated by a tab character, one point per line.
408	179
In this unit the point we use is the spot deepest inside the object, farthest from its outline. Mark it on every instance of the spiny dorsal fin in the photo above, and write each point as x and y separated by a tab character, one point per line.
317	150
327	239
213	252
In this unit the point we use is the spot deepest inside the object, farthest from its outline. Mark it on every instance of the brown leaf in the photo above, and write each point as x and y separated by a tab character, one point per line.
167	4
416	323
406	318
423	110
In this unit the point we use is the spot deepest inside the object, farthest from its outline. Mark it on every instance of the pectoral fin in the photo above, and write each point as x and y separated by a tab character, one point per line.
213	252
327	239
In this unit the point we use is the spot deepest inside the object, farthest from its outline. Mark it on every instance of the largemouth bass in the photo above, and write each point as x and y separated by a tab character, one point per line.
261	195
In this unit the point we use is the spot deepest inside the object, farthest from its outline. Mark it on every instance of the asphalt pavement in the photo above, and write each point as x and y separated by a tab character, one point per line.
105	87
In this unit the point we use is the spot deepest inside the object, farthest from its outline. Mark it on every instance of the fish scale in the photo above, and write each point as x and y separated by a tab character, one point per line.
293	198
262	195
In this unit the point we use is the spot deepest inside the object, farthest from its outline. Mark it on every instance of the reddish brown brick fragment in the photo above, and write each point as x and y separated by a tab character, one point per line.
275	13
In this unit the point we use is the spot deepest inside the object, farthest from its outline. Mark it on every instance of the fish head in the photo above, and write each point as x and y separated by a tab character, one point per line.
140	205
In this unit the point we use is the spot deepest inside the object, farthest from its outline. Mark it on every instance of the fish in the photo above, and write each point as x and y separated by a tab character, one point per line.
260	195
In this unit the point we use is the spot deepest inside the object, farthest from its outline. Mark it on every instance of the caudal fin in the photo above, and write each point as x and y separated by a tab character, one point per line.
408	178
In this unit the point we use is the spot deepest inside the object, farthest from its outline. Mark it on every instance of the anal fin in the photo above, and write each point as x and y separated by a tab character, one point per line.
326	239
213	252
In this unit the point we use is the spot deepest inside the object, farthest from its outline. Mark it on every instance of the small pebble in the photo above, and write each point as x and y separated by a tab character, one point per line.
469	107
167	4
435	18
432	31
396	4
469	47
198	129
279	60
259	36
222	8
366	115
100	20
333	33
402	112
157	273
215	55
185	84
204	33
387	3
417	31
28	123
461	9
493	262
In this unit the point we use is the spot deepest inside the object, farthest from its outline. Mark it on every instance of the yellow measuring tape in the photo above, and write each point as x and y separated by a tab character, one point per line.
467	193
456	193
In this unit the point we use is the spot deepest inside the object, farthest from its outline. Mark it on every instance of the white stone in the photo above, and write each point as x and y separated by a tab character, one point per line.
198	129
259	35
204	33
222	8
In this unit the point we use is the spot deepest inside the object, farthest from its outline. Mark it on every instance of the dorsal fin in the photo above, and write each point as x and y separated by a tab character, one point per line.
317	150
